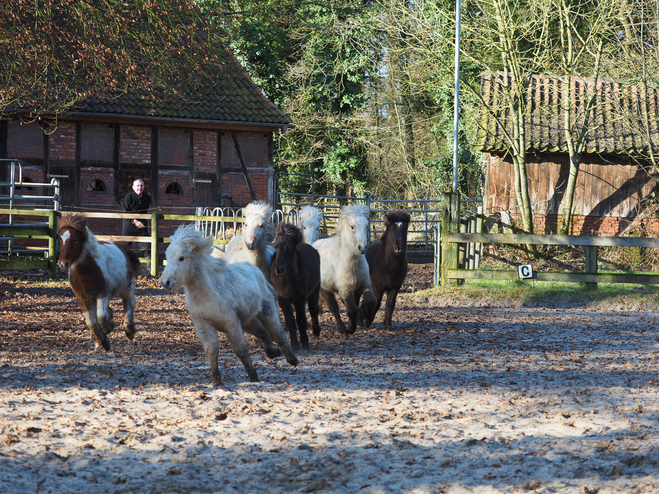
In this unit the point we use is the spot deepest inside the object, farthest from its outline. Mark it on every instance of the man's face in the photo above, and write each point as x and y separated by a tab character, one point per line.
138	187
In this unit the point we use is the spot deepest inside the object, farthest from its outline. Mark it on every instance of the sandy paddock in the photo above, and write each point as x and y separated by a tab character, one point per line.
457	398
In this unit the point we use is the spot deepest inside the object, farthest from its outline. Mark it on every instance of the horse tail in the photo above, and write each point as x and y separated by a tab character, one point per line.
133	260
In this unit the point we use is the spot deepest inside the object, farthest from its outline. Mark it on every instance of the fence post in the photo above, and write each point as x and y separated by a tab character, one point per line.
52	245
591	265
450	224
155	235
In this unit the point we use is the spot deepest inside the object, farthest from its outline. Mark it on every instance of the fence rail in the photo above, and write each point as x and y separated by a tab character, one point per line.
449	242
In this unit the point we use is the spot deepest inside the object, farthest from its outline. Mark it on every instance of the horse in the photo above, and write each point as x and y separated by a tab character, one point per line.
344	270
295	276
309	222
253	245
224	297
387	263
98	271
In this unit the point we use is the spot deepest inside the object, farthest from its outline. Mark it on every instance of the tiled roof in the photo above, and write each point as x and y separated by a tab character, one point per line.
228	96
616	126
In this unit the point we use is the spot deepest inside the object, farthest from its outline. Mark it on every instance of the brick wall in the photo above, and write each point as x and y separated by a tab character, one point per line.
255	149
94	197
167	177
62	143
173	146
135	144
25	141
603	226
96	143
205	151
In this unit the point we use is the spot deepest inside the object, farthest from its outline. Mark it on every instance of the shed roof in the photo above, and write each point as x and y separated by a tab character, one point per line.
617	125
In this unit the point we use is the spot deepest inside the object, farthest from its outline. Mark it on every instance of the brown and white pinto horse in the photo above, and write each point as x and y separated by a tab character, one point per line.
97	272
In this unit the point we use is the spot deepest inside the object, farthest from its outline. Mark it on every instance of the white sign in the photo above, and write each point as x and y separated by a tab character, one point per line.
525	271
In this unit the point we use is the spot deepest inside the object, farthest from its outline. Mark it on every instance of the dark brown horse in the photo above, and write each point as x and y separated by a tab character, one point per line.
97	272
387	263
295	275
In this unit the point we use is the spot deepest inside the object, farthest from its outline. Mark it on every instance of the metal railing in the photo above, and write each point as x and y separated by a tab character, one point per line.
16	193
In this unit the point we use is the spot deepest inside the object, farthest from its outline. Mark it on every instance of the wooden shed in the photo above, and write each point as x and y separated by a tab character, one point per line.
190	146
617	177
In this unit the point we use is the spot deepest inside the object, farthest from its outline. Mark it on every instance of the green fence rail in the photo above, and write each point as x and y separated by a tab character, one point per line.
49	232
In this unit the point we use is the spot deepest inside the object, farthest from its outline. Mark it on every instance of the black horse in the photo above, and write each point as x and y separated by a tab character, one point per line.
387	263
295	275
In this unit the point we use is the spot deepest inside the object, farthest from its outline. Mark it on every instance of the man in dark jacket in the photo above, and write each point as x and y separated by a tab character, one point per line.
137	201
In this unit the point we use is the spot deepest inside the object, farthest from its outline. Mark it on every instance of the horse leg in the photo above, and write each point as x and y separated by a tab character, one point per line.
289	318
314	310
105	314
269	317
330	301
256	329
128	299
301	319
389	307
370	306
208	337
353	311
368	311
97	333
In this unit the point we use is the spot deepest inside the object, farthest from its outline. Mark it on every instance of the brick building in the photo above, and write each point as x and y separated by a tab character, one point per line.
617	177
189	147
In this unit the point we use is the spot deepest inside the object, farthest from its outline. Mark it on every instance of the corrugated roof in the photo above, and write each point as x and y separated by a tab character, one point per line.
617	124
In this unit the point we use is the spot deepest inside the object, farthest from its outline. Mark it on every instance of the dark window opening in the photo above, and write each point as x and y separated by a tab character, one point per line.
96	185
24	186
174	188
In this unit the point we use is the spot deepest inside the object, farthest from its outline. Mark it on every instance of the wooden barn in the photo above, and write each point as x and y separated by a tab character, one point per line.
617	177
189	146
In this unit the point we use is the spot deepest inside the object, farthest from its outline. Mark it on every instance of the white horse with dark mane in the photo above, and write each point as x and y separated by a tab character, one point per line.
344	270
254	244
308	222
224	298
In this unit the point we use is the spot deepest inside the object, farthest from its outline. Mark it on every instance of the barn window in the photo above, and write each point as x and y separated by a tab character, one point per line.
174	188
96	185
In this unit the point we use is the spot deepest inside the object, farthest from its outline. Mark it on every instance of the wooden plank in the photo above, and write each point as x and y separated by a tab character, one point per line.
500	238
192	217
24	231
23	263
118	215
636	278
24	212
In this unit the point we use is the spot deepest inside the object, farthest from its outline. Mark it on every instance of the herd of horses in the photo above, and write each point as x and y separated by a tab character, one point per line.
238	290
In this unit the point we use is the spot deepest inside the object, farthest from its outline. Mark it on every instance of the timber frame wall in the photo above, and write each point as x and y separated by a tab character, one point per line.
183	167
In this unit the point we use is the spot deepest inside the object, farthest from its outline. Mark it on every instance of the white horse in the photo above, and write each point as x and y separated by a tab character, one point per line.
344	270
226	298
309	222
254	244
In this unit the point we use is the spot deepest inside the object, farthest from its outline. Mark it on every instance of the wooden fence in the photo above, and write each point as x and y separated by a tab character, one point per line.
451	243
49	232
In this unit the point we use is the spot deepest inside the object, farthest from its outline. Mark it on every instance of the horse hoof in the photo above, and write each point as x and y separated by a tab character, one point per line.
293	361
273	352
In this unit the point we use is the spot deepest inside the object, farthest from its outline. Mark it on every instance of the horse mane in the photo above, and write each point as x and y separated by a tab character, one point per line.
289	230
396	216
74	220
352	211
310	213
192	239
263	210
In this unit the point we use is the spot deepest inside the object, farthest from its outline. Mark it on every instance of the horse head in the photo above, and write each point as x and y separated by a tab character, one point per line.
287	237
309	222
257	229
186	245
72	237
396	224
353	227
